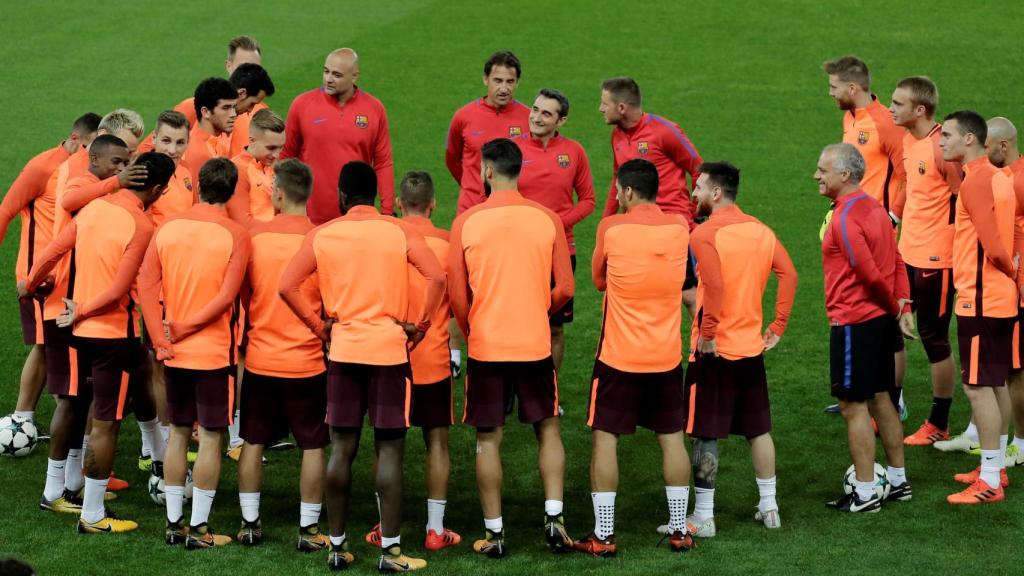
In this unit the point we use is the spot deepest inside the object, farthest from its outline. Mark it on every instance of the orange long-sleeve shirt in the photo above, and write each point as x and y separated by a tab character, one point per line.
736	252
240	131
430	360
181	194
196	262
203	146
926	236
360	262
880	142
109	237
251	201
504	255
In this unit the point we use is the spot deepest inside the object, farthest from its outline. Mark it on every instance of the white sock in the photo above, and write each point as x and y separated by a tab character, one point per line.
991	461
897	476
26	414
678	499
766	489
493	524
309	514
1018	442
73	471
865	490
971	432
553	507
901	403
92	501
386	542
165	432
250	503
704	503
435	515
234	439
338	540
202	501
148	431
54	479
456	356
173	497
1003	441
604	513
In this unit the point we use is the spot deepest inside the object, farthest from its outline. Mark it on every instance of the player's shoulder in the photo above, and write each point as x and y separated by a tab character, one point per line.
466	110
518	107
369	100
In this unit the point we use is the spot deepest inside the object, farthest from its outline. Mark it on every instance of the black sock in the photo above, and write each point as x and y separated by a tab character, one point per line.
940	412
894	395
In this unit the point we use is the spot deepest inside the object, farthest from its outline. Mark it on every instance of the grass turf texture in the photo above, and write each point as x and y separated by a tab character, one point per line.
743	81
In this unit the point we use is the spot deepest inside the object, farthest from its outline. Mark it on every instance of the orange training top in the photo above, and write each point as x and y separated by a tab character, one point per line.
181	194
280	345
30	196
735	253
360	261
926	238
640	264
203	146
186	107
251	201
430	360
240	131
880	142
196	262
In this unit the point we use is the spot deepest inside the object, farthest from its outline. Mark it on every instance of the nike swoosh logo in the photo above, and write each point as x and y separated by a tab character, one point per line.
107	529
319	120
928	275
403	567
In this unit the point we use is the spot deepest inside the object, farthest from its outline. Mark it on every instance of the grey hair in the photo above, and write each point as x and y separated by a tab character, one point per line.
847	158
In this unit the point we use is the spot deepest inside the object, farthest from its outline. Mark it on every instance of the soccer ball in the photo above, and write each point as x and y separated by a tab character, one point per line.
17	436
156	488
881	481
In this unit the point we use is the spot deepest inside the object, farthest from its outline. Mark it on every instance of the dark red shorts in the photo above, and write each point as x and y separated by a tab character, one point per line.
354	390
112	364
932	293
619	401
726	397
63	377
862	363
493	387
31	321
986	349
272	406
433	405
204	396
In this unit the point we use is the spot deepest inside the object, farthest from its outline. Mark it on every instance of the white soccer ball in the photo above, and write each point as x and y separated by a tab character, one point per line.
17	436
882	485
157	484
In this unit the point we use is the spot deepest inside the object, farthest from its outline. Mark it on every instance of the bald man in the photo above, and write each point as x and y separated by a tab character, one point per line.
335	124
1001	147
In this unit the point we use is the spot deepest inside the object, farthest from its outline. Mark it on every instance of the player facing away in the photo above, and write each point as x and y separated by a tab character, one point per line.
554	169
985	273
1001	147
285	375
108	238
869	126
504	255
638	134
30	198
361	260
335	124
926	241
640	264
727	388
251	202
189	281
866	295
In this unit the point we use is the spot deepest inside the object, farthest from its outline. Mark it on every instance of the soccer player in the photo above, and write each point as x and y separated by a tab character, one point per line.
985	273
215	100
866	292
171	138
554	167
640	263
285	375
251	202
496	115
926	241
869	126
109	238
188	284
727	386
504	255
30	198
637	134
1001	147
336	124
361	260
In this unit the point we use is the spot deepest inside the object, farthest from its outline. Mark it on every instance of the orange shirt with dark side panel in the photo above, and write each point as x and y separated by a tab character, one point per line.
880	142
926	236
430	359
251	201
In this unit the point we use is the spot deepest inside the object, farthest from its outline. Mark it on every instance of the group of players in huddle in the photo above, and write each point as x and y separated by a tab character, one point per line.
277	298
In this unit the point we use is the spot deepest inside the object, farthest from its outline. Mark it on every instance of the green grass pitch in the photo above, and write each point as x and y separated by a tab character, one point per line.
743	79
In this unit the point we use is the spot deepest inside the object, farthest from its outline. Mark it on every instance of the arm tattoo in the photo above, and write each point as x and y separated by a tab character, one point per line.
705	462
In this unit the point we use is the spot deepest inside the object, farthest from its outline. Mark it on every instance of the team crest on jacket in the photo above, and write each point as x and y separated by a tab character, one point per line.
514	131
563	160
362	121
643	148
921	167
862	138
187	182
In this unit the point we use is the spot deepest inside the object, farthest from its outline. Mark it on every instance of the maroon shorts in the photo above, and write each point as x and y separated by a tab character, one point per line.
492	389
433	405
619	401
726	397
112	364
63	377
986	349
272	406
932	293
355	389
204	396
31	321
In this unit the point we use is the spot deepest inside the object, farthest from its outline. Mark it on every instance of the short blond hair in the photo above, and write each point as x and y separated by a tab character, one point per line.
849	69
123	119
243	42
266	119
